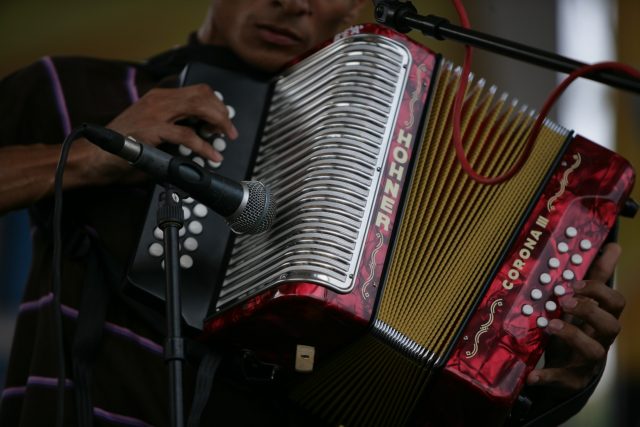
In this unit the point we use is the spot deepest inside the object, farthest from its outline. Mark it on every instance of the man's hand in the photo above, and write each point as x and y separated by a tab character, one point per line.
582	338
152	120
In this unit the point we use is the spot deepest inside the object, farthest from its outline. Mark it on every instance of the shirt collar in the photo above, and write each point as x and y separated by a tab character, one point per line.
173	61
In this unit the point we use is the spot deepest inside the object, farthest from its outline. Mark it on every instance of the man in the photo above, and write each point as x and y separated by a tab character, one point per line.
104	208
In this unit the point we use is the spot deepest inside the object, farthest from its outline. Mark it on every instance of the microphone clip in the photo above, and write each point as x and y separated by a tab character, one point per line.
170	212
392	12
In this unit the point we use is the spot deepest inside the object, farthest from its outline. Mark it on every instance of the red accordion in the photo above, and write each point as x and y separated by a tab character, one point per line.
390	279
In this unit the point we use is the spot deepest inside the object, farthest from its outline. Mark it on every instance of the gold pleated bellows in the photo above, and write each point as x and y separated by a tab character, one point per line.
452	235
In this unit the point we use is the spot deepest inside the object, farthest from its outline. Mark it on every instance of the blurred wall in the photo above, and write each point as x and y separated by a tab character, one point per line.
120	29
628	139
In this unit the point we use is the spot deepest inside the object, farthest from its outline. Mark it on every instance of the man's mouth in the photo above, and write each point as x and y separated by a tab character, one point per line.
278	35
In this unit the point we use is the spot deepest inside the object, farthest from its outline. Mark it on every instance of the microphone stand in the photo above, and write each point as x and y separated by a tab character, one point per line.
403	16
170	220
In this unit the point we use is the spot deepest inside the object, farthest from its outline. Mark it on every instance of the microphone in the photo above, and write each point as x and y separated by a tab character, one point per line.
249	207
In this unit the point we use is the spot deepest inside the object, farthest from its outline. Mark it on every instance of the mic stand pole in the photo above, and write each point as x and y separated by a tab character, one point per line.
170	220
403	17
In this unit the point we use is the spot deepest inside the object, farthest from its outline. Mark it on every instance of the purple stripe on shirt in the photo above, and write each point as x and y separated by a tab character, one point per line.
37	304
61	103
71	312
51	383
118	419
46	382
131	336
13	392
132	89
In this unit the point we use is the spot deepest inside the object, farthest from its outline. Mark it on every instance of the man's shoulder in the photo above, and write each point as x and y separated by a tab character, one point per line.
88	66
51	72
48	64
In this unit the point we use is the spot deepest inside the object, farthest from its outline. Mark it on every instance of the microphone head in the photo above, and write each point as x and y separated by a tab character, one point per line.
259	212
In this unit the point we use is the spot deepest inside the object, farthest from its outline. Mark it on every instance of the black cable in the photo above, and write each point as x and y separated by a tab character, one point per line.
57	272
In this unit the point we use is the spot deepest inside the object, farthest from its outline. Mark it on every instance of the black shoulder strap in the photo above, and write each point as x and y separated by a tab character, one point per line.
541	416
92	312
204	381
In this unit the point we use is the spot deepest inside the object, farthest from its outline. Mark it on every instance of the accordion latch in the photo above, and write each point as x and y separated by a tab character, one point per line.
305	358
630	208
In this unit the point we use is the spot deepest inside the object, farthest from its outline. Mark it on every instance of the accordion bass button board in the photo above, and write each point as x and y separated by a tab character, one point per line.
205	238
422	295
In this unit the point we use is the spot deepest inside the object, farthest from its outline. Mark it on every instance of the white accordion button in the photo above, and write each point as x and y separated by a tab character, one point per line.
585	245
218	95
184	150
550	306
568	275
576	259
542	322
188	200
195	227
182	232
213	165
563	247
527	310
158	234
536	294
199	161
186	212
545	278
559	290
219	144
186	262
232	111
200	210
156	250
190	244
571	232
554	262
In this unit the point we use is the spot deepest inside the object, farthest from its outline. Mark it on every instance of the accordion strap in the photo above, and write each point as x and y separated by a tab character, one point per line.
90	325
540	416
206	374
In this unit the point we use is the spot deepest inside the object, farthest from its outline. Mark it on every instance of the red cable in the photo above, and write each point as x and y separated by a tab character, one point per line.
537	126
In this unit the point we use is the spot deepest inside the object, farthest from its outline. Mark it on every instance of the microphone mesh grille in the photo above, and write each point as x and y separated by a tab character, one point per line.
259	213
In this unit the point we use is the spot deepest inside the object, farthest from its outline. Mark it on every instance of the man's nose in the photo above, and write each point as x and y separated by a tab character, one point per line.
296	7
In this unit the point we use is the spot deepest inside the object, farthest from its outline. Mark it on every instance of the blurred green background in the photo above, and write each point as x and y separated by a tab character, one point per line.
136	29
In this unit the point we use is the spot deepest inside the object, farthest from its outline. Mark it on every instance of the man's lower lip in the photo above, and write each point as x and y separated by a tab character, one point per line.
276	38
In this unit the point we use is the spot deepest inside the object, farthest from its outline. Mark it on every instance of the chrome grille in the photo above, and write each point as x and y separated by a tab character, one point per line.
324	142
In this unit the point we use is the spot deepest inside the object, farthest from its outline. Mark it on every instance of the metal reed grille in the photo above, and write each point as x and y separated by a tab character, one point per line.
451	237
455	229
327	131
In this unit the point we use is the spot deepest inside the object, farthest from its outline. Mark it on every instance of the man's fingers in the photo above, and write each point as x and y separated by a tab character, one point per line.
602	325
186	136
603	267
570	379
161	105
201	102
607	298
586	347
